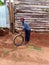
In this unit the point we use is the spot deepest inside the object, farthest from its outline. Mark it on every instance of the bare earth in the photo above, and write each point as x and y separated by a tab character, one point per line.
35	53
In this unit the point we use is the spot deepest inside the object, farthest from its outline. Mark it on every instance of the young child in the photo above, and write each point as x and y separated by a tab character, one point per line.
27	30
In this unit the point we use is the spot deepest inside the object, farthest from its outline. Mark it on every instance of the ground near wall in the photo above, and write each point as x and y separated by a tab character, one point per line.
35	53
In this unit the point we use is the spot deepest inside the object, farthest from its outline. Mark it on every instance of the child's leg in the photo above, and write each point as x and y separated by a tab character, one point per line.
27	36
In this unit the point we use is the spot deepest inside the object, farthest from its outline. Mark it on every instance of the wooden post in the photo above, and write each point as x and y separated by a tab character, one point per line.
11	11
4	1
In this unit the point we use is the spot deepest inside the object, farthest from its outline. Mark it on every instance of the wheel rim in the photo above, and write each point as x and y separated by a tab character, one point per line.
18	40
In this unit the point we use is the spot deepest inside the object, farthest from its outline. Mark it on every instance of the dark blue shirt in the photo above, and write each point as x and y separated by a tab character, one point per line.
25	25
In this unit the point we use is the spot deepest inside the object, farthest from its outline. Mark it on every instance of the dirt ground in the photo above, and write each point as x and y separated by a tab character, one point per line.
35	53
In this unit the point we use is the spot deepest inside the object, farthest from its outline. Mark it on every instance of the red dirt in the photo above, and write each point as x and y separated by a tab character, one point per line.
35	53
40	39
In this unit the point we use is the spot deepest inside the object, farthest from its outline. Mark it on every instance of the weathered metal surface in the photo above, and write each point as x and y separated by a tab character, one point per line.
4	17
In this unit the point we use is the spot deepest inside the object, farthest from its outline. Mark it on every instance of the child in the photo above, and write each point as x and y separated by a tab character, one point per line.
27	30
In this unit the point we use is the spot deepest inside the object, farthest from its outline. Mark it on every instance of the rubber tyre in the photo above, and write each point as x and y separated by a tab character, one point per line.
15	39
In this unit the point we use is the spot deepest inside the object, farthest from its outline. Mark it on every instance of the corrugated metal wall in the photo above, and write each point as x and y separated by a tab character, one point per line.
4	17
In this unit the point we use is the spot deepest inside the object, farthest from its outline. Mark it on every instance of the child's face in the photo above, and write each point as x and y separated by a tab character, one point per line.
22	20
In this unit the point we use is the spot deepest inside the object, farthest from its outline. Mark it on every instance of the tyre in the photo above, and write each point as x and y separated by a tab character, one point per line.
18	40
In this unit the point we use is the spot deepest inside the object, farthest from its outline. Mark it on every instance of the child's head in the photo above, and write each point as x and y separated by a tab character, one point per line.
22	19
